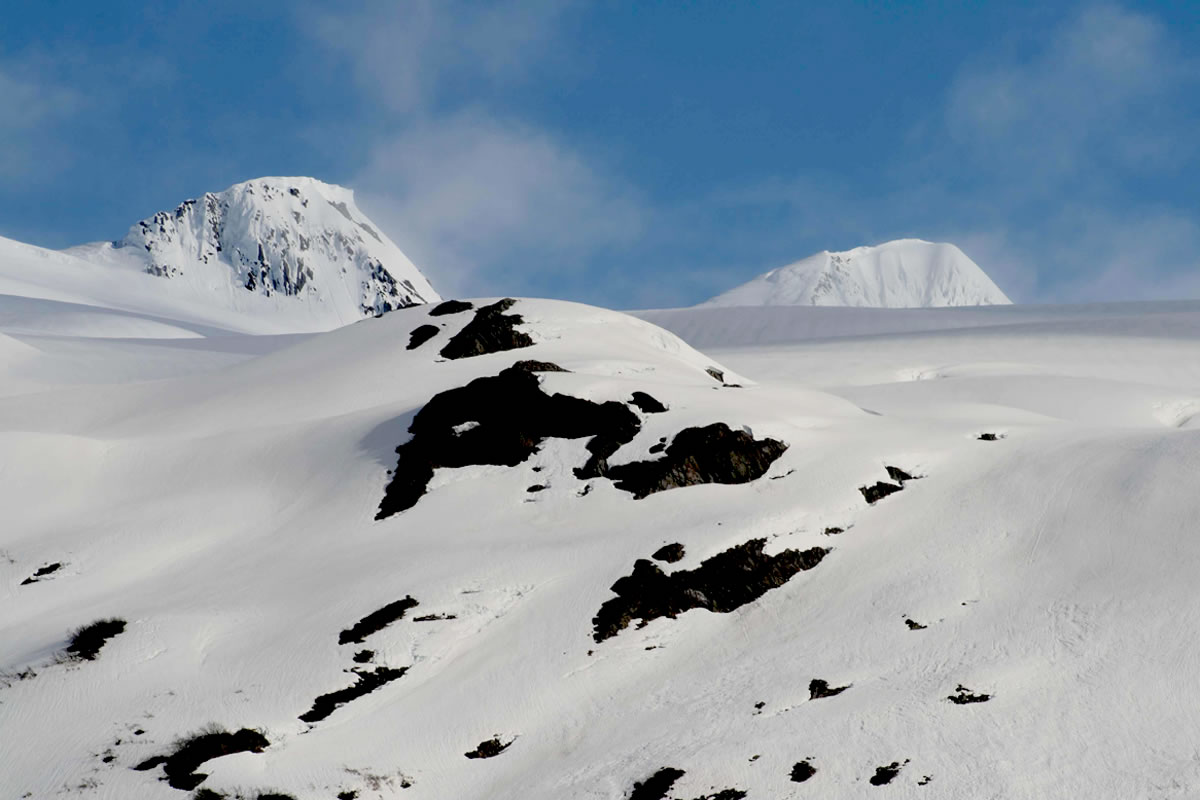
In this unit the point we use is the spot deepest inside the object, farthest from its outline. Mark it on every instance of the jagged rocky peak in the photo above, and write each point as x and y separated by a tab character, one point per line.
294	237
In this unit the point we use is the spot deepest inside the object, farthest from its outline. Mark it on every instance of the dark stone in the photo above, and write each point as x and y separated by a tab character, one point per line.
658	447
833	531
86	642
363	656
913	625
989	437
724	794
818	688
376	621
450	307
530	365
712	454
537	487
669	553
181	765
657	785
963	696
925	780
898	475
647	403
490	331
514	415
722	583
802	771
364	683
716	374
489	748
42	572
421	335
434	617
884	775
879	491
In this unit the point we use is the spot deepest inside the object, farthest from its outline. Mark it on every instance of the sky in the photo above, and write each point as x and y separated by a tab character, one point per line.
633	155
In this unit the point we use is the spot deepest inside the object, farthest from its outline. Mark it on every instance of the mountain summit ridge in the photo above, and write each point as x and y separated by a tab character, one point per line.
903	273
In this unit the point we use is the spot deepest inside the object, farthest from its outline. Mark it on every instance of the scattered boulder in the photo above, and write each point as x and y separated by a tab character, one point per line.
657	785
925	780
85	642
434	617
669	553
363	656
990	437
716	374
722	583
376	621
529	365
963	696
42	572
490	331
450	307
422	334
365	682
537	487
880	490
647	403
818	688
899	475
884	775
833	531
802	771
489	748
913	625
724	794
190	753
659	446
712	454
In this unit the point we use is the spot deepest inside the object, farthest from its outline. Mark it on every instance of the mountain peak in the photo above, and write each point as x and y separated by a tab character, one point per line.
904	273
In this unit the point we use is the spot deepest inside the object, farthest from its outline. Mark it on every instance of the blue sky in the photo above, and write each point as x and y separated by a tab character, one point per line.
633	154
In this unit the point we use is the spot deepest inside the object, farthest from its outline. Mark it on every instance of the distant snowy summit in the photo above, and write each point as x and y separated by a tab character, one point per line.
294	238
906	273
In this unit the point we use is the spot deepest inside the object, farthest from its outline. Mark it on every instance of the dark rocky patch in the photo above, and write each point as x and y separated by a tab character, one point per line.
208	794
657	785
818	688
899	475
530	365
434	617
802	771
42	572
880	490
760	705
514	416
363	656
376	621
420	335
647	403
716	374
450	307
724	794
913	625
669	553
489	748
350	794
833	531
490	331
884	775
85	642
924	780
537	487
989	437
364	683
963	696
712	454
722	583
273	796
190	753
659	446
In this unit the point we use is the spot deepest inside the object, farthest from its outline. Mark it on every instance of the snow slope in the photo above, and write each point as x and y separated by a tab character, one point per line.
906	273
226	512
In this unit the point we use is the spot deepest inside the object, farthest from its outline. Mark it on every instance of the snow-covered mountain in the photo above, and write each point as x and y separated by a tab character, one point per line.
298	241
906	273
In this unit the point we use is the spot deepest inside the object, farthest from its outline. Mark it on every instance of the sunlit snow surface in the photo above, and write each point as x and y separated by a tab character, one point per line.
217	490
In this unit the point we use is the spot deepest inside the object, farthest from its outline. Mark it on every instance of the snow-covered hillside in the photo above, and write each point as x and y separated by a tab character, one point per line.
906	273
298	242
532	550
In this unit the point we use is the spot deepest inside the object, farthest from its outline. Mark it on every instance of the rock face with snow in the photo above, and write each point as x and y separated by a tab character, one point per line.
279	237
906	273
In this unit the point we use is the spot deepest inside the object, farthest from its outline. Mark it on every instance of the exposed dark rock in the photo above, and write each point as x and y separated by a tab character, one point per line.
273	796
724	794
363	656
376	621
86	642
658	447
422	334
722	583
712	454
913	625
364	683
181	765
514	415
42	572
450	307
647	403
537	487
990	437
490	331
924	780
349	794
879	491
899	475
802	771
760	705
963	696
833	531
434	617
669	553
204	793
884	775
489	748
538	366
818	688
716	374
657	785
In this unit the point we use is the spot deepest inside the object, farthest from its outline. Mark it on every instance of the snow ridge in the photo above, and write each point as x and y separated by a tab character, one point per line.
906	273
